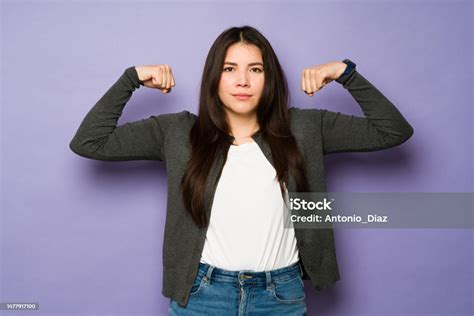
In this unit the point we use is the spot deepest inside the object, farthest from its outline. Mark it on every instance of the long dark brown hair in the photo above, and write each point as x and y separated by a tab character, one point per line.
210	134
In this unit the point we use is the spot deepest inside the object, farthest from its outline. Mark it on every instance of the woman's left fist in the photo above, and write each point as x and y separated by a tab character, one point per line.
315	78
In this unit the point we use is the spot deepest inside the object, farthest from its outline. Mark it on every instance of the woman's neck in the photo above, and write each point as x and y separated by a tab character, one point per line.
243	127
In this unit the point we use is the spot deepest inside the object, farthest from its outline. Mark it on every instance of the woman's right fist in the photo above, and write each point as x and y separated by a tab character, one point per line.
156	76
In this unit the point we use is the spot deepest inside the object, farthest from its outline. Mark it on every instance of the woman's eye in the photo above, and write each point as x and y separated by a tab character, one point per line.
258	69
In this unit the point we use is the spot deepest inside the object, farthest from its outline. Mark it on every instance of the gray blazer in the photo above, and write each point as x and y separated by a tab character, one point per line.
165	138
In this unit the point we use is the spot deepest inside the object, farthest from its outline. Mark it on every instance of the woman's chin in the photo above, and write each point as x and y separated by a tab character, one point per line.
242	111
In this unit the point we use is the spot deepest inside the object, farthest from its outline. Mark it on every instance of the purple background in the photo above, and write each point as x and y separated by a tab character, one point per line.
84	237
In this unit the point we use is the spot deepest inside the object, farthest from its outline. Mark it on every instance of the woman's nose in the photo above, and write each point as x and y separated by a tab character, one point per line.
242	79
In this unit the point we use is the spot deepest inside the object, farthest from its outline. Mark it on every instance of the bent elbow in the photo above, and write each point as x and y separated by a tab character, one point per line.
393	138
406	134
77	149
82	150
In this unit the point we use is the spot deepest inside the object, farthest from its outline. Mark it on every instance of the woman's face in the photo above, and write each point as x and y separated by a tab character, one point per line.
242	73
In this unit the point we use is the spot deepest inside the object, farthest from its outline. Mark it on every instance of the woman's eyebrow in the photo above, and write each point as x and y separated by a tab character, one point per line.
251	64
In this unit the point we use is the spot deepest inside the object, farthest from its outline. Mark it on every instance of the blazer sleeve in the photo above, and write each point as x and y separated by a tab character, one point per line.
382	127
99	137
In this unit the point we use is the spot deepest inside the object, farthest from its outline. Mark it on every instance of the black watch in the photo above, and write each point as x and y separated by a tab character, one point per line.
350	65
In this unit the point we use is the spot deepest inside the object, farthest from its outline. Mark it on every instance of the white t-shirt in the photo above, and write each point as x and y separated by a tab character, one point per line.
246	230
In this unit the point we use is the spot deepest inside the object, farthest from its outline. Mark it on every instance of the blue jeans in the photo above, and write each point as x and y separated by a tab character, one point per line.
221	292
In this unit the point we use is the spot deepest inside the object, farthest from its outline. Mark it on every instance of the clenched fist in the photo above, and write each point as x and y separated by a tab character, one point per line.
315	78
156	76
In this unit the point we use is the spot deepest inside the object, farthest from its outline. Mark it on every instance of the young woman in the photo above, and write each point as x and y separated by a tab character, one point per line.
236	160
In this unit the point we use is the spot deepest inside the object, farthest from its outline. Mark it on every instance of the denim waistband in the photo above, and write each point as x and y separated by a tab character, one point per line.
211	272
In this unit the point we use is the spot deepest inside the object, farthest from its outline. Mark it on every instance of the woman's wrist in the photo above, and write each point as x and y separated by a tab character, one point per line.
342	67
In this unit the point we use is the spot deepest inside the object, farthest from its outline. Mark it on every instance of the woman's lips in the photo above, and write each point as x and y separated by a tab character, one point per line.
242	97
